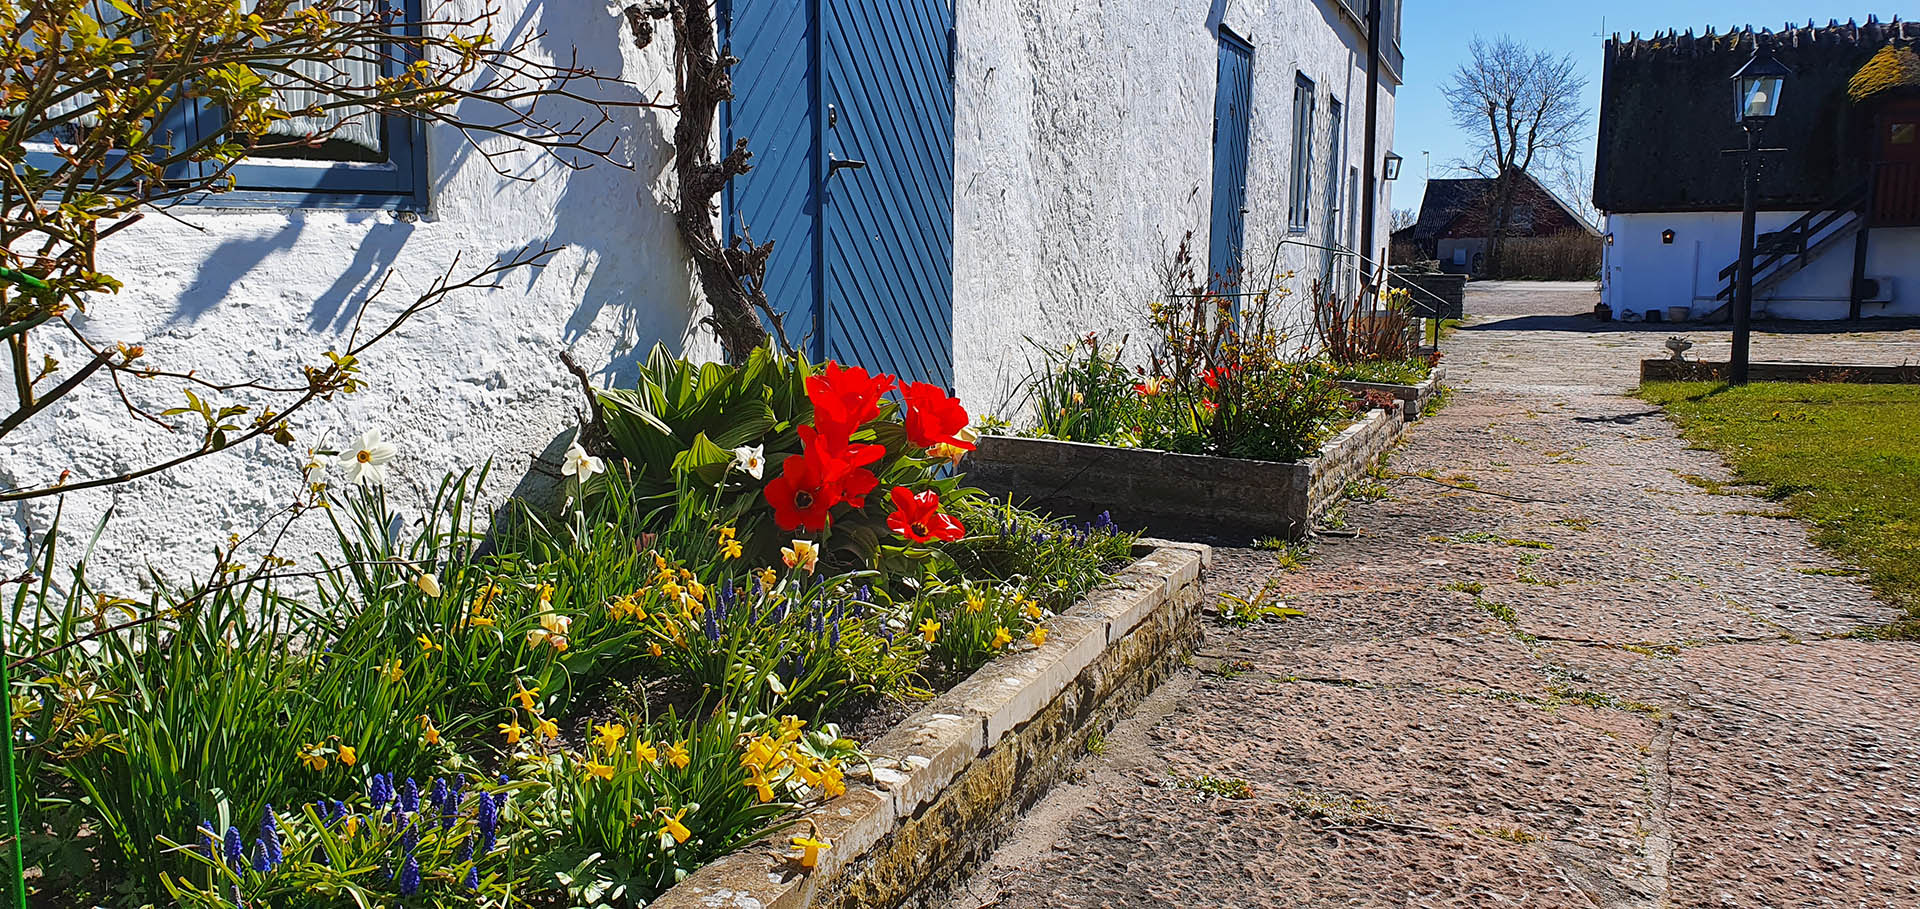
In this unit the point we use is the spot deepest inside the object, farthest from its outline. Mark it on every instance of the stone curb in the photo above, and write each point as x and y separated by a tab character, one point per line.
1141	485
916	766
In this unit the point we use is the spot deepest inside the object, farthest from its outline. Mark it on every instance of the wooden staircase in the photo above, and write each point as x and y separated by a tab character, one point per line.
1782	254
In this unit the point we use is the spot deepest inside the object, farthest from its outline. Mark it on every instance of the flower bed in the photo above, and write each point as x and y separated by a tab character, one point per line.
947	782
563	709
1416	395
1148	486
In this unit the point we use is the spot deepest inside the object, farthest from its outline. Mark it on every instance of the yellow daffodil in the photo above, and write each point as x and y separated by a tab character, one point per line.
790	726
810	850
347	755
833	780
485	598
609	735
427	646
807	773
512	730
392	670
760	753
678	756
480	621
654	649
1001	638
768	578
975	602
1032	610
757	781
526	696
546	594
599	771
731	549
670	590
675	827
1038	636
802	554
727	532
697	590
352	822
545	728
311	756
928	629
431	734
644	752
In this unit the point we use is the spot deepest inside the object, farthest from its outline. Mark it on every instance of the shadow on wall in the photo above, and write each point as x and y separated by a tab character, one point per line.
618	218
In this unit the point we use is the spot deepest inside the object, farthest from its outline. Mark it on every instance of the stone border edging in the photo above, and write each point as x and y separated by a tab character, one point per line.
1414	396
947	780
1146	485
1665	369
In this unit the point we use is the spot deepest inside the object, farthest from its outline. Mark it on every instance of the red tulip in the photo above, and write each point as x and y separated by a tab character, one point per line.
917	516
935	419
843	464
804	493
845	398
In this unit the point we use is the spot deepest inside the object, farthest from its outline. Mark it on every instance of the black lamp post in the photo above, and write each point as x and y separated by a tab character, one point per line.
1757	98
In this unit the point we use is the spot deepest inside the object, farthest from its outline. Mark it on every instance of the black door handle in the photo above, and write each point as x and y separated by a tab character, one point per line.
834	164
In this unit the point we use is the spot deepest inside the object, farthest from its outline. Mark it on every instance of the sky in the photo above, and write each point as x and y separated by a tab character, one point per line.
1436	35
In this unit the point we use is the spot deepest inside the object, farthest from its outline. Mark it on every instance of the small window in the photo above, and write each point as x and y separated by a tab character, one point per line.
1300	190
1903	134
327	155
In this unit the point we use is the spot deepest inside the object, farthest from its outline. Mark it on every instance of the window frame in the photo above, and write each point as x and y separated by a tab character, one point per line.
398	183
1300	170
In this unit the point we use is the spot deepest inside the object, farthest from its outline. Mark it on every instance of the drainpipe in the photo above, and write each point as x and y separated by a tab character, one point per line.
1369	201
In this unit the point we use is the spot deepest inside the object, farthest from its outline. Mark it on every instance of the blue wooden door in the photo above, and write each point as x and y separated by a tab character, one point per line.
772	108
1232	125
847	106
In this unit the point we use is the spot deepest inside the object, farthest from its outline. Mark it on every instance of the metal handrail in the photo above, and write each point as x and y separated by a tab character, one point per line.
1804	228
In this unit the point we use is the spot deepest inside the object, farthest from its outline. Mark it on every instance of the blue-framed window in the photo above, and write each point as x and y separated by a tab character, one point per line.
1300	182
372	161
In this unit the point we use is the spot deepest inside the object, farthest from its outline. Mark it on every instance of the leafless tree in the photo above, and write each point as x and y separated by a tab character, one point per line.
1404	218
1523	108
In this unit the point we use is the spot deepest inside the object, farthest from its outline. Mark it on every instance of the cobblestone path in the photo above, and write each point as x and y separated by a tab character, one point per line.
1548	668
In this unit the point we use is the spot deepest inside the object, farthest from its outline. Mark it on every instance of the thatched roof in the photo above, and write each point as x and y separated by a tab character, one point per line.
1667	111
1892	68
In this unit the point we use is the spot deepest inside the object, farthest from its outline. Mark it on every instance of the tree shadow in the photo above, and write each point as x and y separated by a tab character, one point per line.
1584	323
378	250
227	265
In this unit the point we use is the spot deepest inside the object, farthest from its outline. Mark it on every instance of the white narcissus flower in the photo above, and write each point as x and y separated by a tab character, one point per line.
365	459
580	464
751	458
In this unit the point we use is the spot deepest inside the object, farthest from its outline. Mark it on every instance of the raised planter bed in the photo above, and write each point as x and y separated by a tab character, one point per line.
1414	396
1665	369
948	781
1140	485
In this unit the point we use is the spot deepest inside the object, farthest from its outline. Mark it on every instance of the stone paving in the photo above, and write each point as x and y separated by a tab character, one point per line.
1547	669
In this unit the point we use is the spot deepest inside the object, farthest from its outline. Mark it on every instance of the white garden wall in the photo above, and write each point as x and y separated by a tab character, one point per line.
1084	153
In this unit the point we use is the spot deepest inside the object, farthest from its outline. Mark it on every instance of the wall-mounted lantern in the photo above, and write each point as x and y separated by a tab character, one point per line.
1392	171
1666	236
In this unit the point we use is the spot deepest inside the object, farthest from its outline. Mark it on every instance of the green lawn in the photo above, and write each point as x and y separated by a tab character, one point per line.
1846	458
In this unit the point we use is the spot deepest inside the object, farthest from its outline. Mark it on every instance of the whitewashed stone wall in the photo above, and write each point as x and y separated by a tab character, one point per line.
1085	152
255	292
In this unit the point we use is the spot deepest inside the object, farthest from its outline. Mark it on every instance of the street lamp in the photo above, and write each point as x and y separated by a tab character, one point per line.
1392	171
1757	87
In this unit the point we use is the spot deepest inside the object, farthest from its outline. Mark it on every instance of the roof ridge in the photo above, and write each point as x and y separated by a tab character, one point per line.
1872	33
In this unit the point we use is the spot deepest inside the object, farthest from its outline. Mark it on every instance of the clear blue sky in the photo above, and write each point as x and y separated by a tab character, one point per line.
1437	32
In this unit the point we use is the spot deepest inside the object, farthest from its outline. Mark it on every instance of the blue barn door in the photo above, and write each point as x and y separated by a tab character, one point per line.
1232	126
847	106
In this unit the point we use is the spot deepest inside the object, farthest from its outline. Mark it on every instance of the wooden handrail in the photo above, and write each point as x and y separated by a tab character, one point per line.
1850	202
